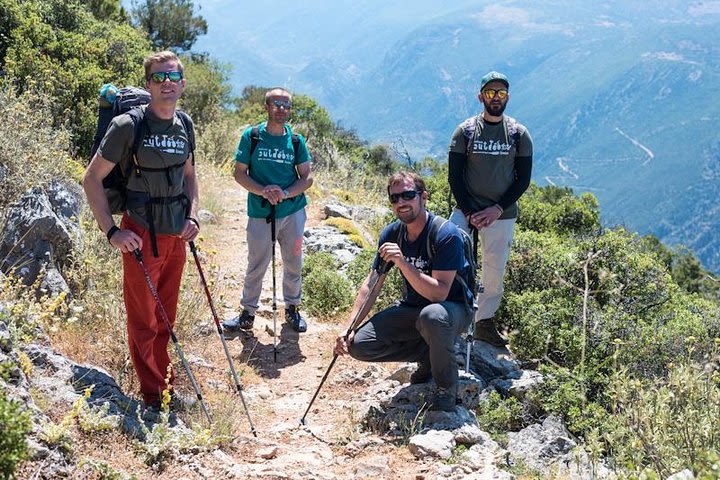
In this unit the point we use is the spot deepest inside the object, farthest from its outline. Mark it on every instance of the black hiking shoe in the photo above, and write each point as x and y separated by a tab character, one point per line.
293	317
486	331
444	400
423	374
235	326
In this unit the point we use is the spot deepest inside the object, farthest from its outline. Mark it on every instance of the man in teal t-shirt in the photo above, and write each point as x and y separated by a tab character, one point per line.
274	175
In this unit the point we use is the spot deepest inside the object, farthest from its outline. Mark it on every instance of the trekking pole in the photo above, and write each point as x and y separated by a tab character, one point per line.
271	220
471	329
238	387
163	314
377	278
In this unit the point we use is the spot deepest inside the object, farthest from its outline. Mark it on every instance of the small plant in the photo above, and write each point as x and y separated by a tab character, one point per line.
329	290
410	427
14	429
103	471
457	454
498	416
162	441
87	418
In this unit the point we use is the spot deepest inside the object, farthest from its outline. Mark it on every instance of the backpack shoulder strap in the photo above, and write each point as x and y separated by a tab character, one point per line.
295	143
137	115
472	128
435	226
397	231
254	138
185	120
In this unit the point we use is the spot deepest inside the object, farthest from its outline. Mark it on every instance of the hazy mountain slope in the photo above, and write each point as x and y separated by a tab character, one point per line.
618	108
621	97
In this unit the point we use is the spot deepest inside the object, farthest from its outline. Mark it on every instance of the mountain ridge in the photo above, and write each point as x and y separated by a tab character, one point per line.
618	97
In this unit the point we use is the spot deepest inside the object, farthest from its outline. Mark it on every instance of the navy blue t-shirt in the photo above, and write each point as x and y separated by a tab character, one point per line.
448	256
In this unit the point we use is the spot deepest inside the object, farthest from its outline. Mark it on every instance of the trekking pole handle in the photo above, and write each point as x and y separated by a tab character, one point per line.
384	267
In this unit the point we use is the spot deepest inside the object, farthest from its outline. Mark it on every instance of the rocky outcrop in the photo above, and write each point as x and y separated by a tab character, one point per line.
41	232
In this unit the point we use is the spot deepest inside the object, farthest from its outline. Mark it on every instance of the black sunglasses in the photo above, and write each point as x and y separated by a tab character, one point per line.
406	195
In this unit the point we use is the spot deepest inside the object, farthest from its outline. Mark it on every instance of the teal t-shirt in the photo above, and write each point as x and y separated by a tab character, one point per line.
273	163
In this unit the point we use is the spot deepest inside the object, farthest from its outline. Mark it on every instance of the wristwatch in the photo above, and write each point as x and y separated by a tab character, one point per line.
286	194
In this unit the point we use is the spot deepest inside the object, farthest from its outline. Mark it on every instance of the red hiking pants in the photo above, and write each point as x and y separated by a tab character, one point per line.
148	334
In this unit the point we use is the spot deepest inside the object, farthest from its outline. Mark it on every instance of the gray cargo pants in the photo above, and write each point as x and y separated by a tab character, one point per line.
403	333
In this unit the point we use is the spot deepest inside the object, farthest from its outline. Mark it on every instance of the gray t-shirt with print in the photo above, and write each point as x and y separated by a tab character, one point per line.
490	168
165	144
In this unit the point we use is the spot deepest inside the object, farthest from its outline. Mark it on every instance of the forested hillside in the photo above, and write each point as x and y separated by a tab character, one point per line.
624	330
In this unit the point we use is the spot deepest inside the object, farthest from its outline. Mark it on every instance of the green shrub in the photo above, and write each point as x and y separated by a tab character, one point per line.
218	139
498	416
14	429
59	48
27	120
665	425
318	261
328	291
556	209
440	199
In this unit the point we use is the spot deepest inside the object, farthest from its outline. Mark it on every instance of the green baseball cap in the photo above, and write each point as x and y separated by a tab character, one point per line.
493	77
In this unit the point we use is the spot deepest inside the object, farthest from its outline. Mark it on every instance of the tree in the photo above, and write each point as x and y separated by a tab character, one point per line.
60	49
170	24
207	89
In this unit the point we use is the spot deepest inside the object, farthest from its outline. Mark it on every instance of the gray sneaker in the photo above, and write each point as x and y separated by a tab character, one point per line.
234	327
444	399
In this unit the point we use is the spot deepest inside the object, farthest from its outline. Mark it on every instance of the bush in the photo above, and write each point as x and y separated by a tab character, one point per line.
207	91
218	139
666	425
440	199
497	415
14	429
556	209
328	290
34	152
59	48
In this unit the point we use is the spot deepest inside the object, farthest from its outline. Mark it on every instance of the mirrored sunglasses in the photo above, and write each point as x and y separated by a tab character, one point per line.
406	195
490	94
286	104
160	77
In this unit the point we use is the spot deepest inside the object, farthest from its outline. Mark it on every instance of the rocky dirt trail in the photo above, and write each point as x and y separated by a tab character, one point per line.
277	393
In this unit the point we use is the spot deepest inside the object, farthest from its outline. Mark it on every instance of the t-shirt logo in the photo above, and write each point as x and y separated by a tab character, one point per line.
419	263
491	147
170	144
275	155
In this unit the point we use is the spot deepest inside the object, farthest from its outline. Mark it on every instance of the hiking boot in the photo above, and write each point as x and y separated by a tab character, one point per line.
486	331
423	374
180	402
444	399
235	326
293	317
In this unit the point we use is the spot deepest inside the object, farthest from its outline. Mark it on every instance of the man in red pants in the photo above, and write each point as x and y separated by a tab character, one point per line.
159	215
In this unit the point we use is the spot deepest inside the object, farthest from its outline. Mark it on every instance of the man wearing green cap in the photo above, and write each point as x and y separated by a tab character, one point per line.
490	162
